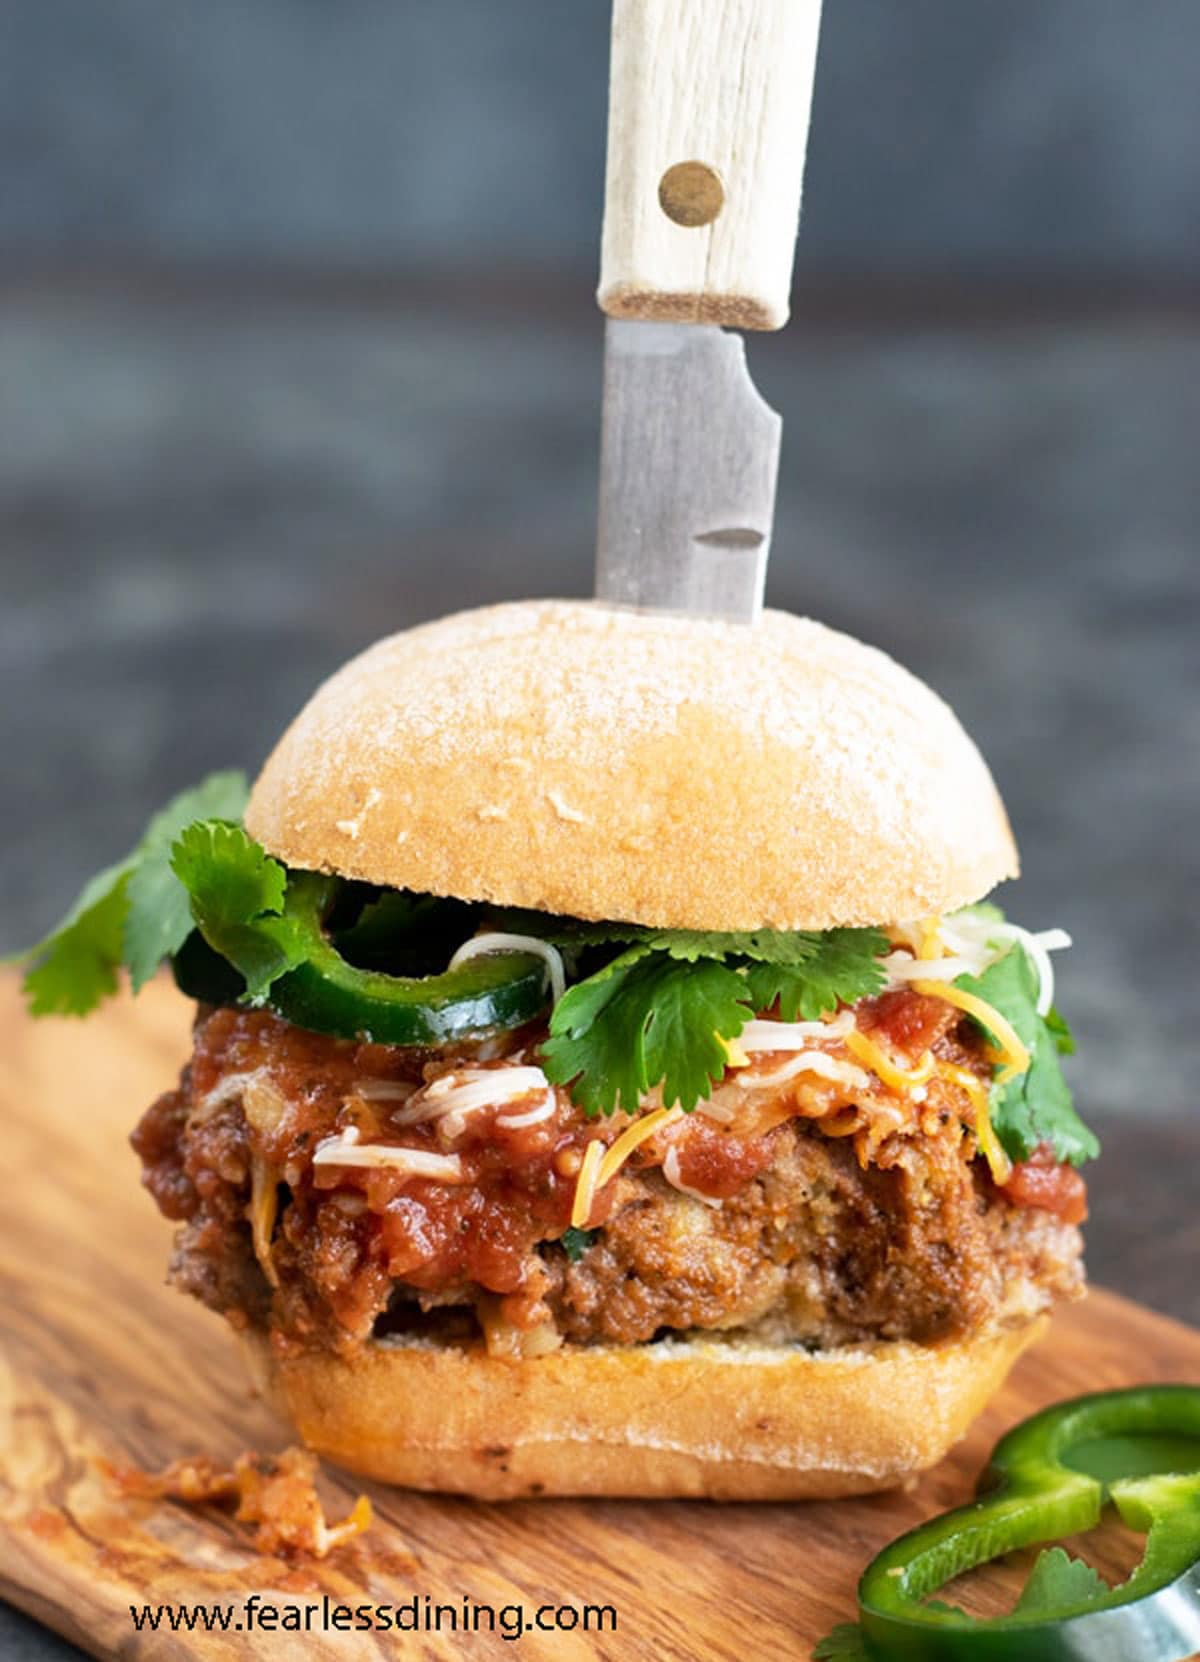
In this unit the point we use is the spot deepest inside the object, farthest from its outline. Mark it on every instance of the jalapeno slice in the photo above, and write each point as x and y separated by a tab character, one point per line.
327	994
204	975
1047	1479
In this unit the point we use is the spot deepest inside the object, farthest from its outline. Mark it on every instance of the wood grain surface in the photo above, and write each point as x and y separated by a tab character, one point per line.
102	1360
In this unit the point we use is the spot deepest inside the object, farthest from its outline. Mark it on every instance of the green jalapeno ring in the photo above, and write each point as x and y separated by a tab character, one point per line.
325	993
203	974
1037	1495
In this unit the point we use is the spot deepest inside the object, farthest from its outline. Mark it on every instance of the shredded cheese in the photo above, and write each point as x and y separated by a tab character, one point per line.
632	1139
328	1536
495	941
263	1104
818	1062
225	1090
466	1090
931	939
874	1057
969	944
585	1187
902	969
989	1144
793	1035
544	1110
735	1056
384	1090
846	1123
1014	1053
670	1170
600	1166
1040	946
905	934
262	1212
487	1084
413	1162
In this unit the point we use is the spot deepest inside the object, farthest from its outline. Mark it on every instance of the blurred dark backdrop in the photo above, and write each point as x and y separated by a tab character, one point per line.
297	346
1030	137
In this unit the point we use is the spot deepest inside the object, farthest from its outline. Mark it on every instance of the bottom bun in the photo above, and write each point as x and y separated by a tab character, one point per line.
707	1417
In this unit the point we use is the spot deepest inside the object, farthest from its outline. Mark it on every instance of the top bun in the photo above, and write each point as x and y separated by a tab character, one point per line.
649	768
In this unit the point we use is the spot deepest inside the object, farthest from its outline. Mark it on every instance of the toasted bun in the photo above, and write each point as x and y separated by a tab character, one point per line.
604	764
697	1417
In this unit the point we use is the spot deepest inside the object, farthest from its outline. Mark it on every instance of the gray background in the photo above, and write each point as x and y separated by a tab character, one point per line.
209	497
1021	136
296	347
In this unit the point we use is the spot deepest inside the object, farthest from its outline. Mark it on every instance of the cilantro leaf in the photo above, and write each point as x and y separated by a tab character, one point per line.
76	966
693	1008
133	913
1059	1584
645	1019
220	796
845	1644
571	934
659	1012
1064	1039
575	1242
1035	1107
230	878
842	968
236	892
159	919
768	946
772	946
597	1040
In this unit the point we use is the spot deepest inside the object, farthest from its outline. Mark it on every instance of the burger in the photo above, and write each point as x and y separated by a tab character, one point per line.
607	1076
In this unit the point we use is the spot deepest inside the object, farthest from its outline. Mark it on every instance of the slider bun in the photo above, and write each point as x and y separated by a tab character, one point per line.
655	769
706	1417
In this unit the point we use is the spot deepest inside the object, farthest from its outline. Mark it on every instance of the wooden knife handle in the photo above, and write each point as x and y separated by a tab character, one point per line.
709	104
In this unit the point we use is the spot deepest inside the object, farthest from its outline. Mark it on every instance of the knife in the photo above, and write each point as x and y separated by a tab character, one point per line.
709	107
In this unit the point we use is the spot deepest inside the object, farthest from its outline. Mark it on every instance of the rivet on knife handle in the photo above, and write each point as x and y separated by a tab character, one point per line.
705	91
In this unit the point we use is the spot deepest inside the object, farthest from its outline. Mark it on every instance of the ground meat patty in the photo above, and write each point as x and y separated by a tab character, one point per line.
214	1256
822	1250
812	1231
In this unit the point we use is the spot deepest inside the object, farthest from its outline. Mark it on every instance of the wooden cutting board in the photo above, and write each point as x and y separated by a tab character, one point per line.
101	1359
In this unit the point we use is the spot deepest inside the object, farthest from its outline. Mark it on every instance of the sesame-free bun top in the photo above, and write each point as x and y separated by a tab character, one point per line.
609	764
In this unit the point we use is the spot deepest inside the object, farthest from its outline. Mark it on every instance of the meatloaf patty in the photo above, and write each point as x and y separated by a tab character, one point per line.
790	1209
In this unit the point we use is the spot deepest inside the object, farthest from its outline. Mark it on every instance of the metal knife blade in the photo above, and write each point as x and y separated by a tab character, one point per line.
689	458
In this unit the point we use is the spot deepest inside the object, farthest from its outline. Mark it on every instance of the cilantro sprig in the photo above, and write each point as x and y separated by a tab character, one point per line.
662	1012
132	915
235	894
75	966
1059	1582
648	1009
845	1644
1035	1107
643	1020
576	1243
839	967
